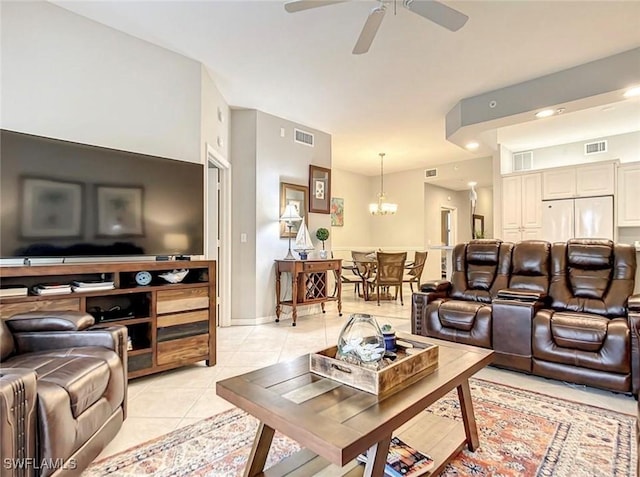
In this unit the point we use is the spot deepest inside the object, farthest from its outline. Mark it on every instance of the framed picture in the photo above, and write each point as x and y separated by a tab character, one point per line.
120	211
337	212
478	226
319	190
51	208
295	195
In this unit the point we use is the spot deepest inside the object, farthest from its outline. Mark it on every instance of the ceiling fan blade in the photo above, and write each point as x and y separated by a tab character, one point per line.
438	13
369	30
300	5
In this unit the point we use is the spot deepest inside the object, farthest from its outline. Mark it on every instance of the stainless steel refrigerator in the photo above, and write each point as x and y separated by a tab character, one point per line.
589	217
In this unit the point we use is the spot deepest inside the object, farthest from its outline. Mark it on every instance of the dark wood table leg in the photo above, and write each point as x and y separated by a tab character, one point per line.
377	458
278	305
259	451
468	418
294	297
338	273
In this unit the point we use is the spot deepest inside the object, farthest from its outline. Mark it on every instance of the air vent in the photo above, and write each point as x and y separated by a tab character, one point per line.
303	137
523	161
430	173
595	147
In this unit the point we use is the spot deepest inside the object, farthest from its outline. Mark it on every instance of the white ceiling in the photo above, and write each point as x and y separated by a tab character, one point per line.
393	99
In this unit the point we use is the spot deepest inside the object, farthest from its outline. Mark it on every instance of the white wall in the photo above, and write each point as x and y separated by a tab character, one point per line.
416	226
484	207
257	144
356	232
214	117
243	202
405	229
435	198
67	77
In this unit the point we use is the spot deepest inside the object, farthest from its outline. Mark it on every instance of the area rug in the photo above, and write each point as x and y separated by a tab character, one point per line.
522	433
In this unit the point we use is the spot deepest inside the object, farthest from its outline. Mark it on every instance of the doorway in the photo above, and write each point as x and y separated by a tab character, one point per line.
448	233
445	226
218	245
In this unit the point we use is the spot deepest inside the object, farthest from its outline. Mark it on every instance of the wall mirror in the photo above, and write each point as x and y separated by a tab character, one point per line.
478	226
297	196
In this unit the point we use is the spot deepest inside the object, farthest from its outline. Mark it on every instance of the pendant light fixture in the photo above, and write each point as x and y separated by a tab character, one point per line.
382	207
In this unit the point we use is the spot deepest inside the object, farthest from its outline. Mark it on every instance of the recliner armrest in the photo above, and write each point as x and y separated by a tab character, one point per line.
521	295
113	338
34	321
18	396
634	303
436	286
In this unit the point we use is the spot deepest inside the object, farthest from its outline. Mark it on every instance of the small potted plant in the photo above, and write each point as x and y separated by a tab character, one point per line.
322	234
389	335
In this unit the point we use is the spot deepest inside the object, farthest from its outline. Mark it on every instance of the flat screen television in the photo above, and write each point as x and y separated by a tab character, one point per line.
64	199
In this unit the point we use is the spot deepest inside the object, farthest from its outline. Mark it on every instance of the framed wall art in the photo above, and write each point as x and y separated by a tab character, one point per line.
337	212
51	208
295	195
319	190
120	211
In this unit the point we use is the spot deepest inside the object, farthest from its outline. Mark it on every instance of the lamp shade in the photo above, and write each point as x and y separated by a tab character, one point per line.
290	214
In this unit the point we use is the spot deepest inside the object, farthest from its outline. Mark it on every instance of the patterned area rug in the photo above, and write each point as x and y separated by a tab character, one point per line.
521	434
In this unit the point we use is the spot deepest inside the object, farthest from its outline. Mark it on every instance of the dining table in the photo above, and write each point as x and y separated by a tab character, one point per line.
366	269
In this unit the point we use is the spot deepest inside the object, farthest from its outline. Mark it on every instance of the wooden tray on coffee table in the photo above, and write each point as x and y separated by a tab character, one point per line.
414	361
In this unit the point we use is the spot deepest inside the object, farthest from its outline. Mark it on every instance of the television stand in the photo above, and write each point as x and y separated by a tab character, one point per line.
170	324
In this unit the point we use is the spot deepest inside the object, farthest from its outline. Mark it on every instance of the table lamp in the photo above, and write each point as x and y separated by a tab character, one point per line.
290	216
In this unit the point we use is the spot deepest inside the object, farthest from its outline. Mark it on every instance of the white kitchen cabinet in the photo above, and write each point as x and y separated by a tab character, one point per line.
522	207
512	202
511	235
595	180
559	184
591	180
628	197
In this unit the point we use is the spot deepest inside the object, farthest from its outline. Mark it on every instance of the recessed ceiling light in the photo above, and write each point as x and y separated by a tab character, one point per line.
472	145
632	92
545	113
472	184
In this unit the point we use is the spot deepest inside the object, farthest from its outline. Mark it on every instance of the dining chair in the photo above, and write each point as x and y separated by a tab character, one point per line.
361	270
389	273
414	270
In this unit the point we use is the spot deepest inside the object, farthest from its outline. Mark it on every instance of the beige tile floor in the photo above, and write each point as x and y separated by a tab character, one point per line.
161	403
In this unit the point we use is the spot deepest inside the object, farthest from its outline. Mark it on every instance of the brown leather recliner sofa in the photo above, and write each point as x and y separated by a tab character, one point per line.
562	310
63	391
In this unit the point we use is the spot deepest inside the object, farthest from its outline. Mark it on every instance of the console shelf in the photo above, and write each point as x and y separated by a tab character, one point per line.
169	324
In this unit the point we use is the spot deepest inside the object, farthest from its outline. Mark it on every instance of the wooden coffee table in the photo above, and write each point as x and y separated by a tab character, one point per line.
334	422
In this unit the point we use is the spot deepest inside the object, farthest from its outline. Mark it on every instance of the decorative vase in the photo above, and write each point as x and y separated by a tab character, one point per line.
303	254
389	341
361	341
323	254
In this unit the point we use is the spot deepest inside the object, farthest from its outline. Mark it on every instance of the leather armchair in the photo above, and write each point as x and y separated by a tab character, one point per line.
585	336
460	310
63	386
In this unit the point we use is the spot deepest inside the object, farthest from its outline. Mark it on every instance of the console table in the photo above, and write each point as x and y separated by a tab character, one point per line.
309	284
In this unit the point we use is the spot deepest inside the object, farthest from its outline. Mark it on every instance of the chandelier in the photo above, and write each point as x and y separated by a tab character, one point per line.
382	207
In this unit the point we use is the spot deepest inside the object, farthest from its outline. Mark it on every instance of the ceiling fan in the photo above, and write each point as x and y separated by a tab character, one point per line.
432	10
